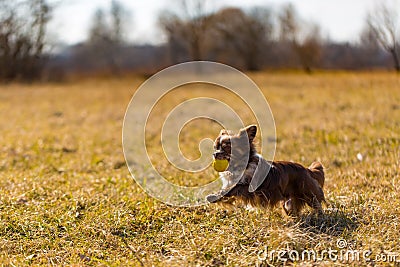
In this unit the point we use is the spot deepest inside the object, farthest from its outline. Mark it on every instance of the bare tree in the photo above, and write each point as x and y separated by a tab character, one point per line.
108	26
383	24
289	24
106	36
22	38
309	48
99	31
368	39
174	29
305	38
187	28
247	35
118	16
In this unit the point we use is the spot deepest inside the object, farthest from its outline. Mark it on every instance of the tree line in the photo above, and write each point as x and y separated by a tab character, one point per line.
249	39
23	38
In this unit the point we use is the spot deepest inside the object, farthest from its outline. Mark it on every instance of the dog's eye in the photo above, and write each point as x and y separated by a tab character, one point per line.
224	145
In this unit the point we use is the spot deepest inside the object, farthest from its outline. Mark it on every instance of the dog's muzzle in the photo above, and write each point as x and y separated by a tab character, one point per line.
220	155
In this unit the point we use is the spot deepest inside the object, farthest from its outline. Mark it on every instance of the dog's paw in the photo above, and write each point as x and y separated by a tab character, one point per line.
213	198
288	207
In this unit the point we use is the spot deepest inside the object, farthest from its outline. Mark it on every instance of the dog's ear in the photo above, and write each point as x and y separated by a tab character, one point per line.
259	175
224	132
251	132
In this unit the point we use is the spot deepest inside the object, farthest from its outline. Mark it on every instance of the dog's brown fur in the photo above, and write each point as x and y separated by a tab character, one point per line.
264	183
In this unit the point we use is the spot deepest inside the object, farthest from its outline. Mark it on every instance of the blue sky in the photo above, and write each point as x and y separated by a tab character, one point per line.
341	20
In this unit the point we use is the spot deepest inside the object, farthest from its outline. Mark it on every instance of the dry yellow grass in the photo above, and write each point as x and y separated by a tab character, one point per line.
66	196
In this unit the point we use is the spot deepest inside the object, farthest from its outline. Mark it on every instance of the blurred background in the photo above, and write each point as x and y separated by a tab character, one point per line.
68	69
55	40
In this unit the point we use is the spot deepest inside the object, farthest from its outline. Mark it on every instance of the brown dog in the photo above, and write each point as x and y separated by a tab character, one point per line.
255	181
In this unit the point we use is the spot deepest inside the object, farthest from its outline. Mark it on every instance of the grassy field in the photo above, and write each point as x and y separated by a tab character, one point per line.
66	196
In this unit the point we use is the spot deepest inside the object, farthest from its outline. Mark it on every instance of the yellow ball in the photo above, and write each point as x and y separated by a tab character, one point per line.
220	165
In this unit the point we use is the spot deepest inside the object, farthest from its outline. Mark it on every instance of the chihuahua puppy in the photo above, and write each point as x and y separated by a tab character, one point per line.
252	180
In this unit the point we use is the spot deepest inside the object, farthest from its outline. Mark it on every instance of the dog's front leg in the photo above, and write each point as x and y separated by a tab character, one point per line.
316	205
220	196
292	206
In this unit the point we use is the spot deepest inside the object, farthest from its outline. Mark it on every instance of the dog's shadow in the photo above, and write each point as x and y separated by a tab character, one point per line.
334	222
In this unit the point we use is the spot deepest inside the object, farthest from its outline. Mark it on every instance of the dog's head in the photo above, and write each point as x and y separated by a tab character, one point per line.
236	148
241	154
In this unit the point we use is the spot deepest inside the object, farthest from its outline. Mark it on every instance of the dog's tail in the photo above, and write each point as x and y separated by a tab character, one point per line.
317	172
